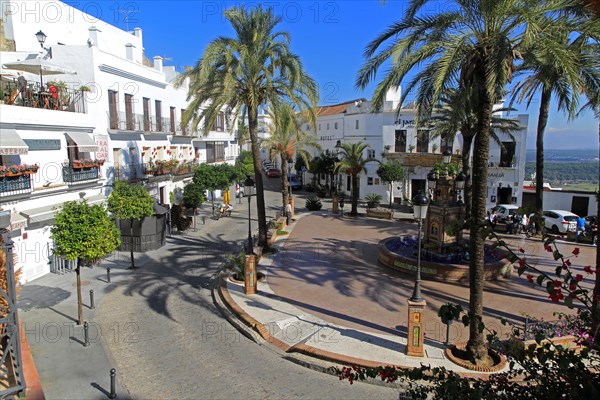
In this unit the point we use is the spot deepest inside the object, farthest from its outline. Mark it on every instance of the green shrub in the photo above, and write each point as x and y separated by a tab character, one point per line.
313	204
237	263
280	232
373	200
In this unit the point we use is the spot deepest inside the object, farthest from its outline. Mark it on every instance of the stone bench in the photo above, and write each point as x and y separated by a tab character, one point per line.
380	213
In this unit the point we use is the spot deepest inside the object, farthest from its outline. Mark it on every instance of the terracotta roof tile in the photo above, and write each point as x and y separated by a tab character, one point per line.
336	108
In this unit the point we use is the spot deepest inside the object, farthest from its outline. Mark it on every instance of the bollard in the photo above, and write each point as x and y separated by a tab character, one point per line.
113	392
203	220
108	275
92	306
448	333
86	334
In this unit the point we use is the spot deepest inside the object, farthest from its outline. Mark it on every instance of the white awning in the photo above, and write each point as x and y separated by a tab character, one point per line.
11	143
41	214
83	141
17	221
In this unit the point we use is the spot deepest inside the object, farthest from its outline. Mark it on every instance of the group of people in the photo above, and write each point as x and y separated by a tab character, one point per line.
515	224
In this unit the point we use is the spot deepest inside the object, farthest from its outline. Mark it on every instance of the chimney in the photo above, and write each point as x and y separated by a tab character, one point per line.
129	51
137	32
158	63
94	34
393	95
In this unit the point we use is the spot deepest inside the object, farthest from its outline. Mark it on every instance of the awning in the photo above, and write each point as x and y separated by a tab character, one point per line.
17	221
11	143
41	214
83	141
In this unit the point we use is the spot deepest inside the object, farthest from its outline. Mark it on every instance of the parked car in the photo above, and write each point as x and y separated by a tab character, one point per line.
560	221
239	189
267	166
504	210
273	173
294	182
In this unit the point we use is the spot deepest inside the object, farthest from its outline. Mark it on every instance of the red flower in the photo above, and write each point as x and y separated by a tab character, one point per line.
522	250
578	277
587	269
568	262
530	278
557	284
522	262
575	251
572	286
548	248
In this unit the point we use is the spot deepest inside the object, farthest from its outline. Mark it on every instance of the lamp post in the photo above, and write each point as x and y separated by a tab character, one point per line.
446	157
41	38
420	204
431	182
249	184
461	179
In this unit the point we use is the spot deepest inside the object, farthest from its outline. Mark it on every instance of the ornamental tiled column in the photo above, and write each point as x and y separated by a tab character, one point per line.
416	333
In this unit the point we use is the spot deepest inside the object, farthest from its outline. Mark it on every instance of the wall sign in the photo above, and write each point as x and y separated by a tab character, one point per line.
102	152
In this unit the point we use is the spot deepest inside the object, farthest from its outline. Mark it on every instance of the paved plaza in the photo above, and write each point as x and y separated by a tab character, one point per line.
162	326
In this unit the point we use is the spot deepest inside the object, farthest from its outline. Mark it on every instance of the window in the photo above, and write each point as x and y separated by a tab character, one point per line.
356	125
172	117
328	126
113	110
215	151
319	126
146	114
507	154
370	181
158	111
400	141
219	124
422	141
335	126
370	153
129	121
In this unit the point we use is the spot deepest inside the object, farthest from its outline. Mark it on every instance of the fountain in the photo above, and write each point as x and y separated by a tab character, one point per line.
444	254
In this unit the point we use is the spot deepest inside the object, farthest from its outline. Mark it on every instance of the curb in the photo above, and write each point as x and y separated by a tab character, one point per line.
33	386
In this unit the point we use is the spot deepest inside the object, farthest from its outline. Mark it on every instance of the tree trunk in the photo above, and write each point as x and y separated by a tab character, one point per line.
465	155
391	194
476	348
596	297
354	210
284	181
79	300
258	178
131	246
212	201
539	156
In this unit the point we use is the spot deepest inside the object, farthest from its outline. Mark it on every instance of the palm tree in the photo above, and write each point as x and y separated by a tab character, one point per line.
242	73
544	70
287	138
458	113
352	162
474	44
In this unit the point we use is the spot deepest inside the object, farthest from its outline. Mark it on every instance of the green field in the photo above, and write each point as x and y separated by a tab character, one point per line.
588	187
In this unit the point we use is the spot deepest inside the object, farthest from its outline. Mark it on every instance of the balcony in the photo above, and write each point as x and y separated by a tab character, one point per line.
12	186
80	176
138	123
34	97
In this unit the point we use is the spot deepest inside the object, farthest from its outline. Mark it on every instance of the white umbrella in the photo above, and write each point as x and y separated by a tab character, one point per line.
39	66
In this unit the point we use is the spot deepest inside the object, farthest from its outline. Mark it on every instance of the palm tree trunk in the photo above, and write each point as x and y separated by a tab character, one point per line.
79	299
539	154
284	180
466	152
258	178
354	210
596	297
476	348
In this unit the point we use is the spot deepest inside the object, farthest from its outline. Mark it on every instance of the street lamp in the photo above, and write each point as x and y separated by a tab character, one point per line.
41	38
446	157
431	182
420	204
249	184
460	179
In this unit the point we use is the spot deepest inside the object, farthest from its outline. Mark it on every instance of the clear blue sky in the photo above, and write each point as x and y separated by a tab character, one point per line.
329	36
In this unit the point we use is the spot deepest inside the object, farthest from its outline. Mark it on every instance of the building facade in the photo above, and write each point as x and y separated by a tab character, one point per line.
115	115
392	135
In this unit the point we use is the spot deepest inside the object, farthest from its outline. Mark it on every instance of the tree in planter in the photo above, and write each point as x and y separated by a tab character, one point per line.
214	177
244	165
353	163
193	196
390	172
373	200
130	202
84	233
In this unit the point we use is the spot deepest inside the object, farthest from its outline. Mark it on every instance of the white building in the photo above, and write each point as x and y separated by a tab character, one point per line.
113	105
395	136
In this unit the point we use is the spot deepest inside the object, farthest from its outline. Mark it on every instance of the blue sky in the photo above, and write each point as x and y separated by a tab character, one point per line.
329	36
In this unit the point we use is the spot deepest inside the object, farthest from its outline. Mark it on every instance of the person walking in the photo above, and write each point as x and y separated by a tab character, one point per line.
524	222
580	228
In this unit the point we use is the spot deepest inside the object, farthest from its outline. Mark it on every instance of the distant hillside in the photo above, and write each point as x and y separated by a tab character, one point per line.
559	173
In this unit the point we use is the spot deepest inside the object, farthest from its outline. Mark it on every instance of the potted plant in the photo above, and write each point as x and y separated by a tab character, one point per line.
411	147
434	148
373	200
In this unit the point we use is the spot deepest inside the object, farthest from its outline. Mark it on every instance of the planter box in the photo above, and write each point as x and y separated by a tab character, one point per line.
379	213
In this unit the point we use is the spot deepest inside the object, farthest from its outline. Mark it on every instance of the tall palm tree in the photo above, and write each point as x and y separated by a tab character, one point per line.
242	73
352	162
473	44
544	70
458	113
288	138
